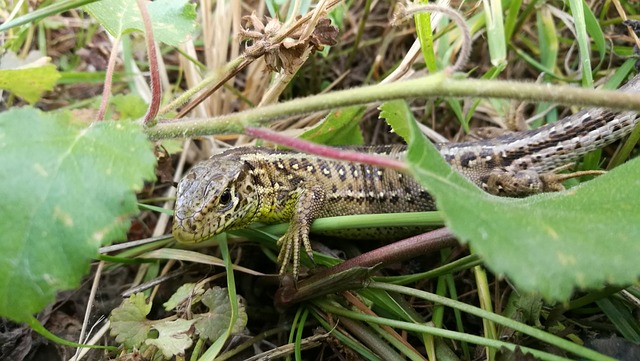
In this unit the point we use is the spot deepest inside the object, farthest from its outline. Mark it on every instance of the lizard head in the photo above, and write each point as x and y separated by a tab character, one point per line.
216	195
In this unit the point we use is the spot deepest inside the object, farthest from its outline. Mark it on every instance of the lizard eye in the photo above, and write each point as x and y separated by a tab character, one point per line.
225	197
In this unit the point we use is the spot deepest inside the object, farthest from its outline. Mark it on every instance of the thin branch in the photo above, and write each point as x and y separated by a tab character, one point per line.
434	85
241	61
392	253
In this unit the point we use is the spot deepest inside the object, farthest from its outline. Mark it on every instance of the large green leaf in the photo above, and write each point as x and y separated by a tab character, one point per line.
173	21
584	237
66	190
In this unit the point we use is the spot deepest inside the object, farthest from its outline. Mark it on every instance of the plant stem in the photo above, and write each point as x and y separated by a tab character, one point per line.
435	85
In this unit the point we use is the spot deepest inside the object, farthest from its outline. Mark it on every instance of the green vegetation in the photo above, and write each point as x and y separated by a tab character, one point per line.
98	94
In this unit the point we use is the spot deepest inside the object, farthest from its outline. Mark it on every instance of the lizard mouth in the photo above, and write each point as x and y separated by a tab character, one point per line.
180	232
197	227
187	230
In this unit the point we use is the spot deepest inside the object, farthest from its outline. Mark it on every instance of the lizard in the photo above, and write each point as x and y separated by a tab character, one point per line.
244	185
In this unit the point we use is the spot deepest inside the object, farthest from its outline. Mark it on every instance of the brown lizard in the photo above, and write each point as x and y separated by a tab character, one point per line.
244	185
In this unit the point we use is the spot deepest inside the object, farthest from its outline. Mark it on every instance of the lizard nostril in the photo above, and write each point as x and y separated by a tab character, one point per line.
190	225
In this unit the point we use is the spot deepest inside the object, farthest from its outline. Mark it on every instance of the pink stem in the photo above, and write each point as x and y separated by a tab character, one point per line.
153	65
108	80
325	151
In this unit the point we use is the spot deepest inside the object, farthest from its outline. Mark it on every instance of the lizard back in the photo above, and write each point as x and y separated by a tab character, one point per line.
251	184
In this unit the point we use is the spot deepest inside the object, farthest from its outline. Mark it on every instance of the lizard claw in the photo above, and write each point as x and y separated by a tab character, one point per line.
284	257
290	251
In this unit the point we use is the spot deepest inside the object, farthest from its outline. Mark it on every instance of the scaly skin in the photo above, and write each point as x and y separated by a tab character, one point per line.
244	185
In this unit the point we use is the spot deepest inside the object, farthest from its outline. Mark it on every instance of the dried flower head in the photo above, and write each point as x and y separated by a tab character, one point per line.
286	54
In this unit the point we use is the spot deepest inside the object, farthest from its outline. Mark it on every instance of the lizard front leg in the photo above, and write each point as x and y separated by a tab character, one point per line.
308	206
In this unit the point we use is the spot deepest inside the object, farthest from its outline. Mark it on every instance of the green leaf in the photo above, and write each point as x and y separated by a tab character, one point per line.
523	307
66	190
129	106
129	322
338	128
493	13
186	292
214	324
172	146
584	50
595	32
622	317
173	338
424	30
548	243
29	83
396	113
548	35
173	20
